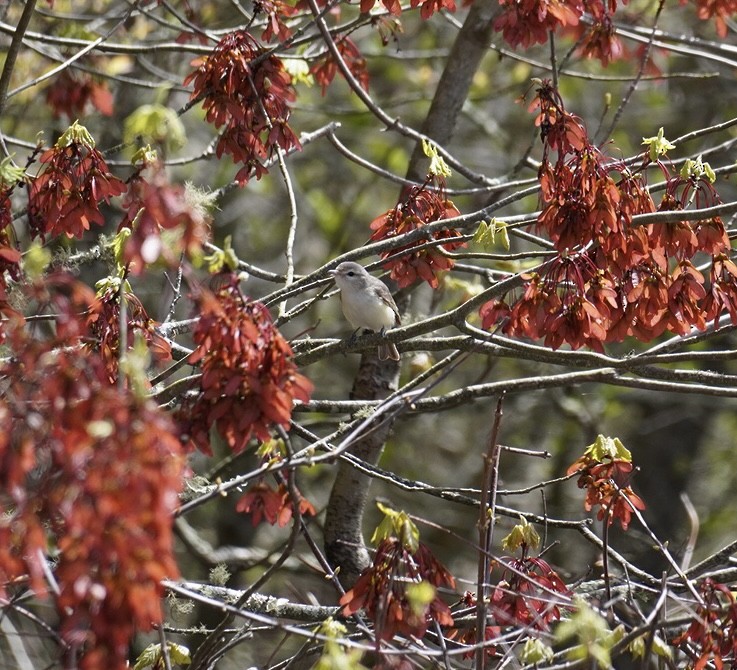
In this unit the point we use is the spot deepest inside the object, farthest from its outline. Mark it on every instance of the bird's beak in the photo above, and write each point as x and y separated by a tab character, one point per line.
332	273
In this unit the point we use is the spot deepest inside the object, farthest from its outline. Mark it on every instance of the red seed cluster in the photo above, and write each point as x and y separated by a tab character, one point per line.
247	94
90	468
249	381
612	278
420	206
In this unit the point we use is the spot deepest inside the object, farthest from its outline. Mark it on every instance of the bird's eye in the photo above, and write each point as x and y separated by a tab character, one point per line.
351	274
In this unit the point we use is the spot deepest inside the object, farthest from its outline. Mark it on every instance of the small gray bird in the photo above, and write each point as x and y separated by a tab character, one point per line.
367	303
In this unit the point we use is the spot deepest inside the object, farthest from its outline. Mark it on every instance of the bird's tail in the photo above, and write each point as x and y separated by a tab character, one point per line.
387	350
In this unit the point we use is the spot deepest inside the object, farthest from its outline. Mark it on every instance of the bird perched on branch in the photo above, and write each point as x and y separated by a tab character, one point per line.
367	303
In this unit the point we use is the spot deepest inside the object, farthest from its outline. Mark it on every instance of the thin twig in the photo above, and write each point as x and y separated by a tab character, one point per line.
693	518
485	525
633	86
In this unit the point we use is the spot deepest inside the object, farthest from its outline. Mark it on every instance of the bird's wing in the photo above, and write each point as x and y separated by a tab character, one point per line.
387	299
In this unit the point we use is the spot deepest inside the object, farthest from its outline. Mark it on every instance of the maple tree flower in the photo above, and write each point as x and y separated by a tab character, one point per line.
276	12
685	299
262	501
394	7
522	596
247	94
529	593
604	471
10	258
325	69
613	279
104	325
527	22
398	590
10	255
721	10
249	381
572	302
711	236
92	470
429	7
469	635
6	212
71	92
64	198
722	293
645	289
526	592
581	201
586	636
676	239
712	635
493	312
418	207
601	41
559	129
165	222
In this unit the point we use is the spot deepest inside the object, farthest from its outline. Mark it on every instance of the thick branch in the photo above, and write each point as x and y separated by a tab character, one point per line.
344	545
18	32
470	46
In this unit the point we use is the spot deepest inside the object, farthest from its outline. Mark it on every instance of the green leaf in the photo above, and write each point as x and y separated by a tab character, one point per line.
145	155
697	169
10	174
658	145
396	524
335	656
662	648
133	364
299	71
590	634
332	628
148	656
638	647
151	655
118	243
36	260
409	535
155	124
179	654
536	651
223	258
503	234
419	596
106	284
522	534
438	166
75	134
486	234
272	448
709	173
386	528
608	448
468	288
